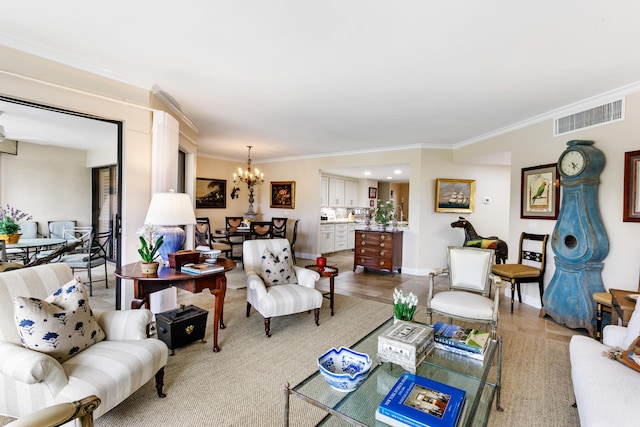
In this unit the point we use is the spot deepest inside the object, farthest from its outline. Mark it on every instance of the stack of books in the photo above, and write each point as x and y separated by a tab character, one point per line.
421	402
202	268
457	339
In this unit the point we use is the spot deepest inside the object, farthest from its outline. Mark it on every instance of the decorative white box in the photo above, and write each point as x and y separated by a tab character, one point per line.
405	344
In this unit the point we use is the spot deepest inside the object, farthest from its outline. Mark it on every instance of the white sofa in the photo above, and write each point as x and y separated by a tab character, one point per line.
111	369
607	392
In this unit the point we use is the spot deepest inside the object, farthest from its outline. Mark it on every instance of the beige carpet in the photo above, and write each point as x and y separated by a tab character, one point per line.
244	383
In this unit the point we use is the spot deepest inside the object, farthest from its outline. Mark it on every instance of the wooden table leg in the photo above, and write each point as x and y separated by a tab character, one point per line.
598	321
217	317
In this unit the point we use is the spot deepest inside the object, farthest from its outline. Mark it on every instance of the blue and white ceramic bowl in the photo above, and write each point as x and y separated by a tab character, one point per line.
344	369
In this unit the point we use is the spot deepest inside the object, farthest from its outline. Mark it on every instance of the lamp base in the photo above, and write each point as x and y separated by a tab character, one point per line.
174	238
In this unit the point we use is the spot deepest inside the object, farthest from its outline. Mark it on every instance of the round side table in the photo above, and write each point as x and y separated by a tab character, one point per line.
331	272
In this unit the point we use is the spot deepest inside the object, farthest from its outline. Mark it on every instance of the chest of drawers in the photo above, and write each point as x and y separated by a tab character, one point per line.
379	250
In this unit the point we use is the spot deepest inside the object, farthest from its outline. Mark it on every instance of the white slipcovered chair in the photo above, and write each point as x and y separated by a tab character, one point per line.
468	297
281	299
111	369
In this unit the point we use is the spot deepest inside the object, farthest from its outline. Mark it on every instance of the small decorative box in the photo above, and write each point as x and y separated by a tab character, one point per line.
180	258
405	344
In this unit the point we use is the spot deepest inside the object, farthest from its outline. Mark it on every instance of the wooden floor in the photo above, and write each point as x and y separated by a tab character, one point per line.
379	286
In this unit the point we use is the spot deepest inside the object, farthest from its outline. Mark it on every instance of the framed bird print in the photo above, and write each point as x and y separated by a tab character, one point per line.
540	192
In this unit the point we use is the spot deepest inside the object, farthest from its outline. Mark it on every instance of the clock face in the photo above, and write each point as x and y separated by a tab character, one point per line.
572	163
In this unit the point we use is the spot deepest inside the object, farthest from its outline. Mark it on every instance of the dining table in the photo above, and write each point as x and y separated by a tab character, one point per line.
31	247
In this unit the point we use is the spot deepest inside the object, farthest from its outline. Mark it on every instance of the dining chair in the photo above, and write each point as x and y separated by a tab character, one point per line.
530	267
469	295
294	237
205	240
56	228
94	250
260	230
279	227
233	222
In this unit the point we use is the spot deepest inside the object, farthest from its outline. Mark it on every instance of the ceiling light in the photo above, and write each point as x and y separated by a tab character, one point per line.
367	173
397	171
389	177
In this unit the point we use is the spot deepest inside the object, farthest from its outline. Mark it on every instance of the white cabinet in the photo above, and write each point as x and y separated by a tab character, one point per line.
336	192
340	237
326	243
324	191
350	193
351	235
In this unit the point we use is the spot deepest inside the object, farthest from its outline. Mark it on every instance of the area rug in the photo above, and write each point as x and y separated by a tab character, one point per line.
244	383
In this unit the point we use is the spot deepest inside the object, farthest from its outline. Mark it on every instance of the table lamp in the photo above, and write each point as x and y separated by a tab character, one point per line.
167	211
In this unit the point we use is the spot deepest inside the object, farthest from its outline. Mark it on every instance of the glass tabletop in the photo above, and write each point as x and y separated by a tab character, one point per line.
440	365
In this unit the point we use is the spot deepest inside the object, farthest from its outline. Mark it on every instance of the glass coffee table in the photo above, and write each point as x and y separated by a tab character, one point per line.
359	406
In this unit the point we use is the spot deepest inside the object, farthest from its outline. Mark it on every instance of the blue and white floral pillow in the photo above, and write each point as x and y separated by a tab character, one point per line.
61	325
277	268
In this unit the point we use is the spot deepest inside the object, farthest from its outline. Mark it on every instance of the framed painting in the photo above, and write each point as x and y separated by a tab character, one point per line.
283	194
455	195
211	193
540	192
373	192
631	211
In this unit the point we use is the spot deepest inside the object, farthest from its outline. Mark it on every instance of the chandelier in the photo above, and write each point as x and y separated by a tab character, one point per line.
250	178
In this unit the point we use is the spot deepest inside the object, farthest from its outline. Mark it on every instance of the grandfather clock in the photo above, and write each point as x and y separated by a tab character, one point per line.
579	240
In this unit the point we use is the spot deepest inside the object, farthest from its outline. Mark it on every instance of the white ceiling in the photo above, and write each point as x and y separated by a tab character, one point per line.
301	78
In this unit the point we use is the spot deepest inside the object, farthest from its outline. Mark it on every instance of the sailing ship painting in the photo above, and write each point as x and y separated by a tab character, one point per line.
454	195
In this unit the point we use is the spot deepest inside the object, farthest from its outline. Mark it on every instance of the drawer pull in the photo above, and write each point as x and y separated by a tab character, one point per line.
362	243
382	245
362	251
362	236
381	263
381	253
382	237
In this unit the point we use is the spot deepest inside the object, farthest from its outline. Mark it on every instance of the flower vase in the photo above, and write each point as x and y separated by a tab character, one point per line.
382	227
396	320
149	268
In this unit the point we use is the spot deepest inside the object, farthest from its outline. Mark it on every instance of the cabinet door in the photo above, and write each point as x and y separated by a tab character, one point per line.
324	191
350	193
336	192
351	236
327	238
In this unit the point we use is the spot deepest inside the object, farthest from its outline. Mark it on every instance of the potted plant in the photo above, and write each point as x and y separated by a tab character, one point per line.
383	213
149	245
404	307
9	223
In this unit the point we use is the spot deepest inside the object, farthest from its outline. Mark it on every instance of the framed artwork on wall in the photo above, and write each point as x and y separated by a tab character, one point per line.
631	211
283	194
211	193
455	195
373	192
540	192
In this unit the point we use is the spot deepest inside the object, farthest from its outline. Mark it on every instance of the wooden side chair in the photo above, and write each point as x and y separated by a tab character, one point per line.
294	237
205	239
261	230
279	226
604	304
233	222
530	267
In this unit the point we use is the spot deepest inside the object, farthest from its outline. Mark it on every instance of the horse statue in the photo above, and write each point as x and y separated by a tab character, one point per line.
471	238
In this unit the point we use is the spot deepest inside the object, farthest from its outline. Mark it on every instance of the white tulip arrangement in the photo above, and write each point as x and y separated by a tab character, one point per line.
404	307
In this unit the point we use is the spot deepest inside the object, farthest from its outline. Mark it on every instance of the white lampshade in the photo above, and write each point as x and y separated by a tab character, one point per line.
170	209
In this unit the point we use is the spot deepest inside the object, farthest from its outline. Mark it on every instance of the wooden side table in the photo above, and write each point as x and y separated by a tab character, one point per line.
330	271
143	285
621	306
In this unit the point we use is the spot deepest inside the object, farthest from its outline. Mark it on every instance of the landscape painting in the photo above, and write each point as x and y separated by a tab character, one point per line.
211	193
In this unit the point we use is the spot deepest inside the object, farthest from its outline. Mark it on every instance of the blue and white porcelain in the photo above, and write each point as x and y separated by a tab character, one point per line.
344	369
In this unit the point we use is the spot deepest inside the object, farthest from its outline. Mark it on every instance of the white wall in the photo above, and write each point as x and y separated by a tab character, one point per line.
50	183
534	145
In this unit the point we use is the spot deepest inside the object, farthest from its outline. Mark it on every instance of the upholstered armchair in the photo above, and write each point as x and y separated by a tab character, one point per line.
275	287
111	369
468	298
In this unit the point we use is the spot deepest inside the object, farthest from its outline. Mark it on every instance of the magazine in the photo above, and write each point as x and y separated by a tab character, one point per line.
421	402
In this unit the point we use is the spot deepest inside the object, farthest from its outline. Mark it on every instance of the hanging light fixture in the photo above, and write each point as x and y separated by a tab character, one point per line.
250	178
